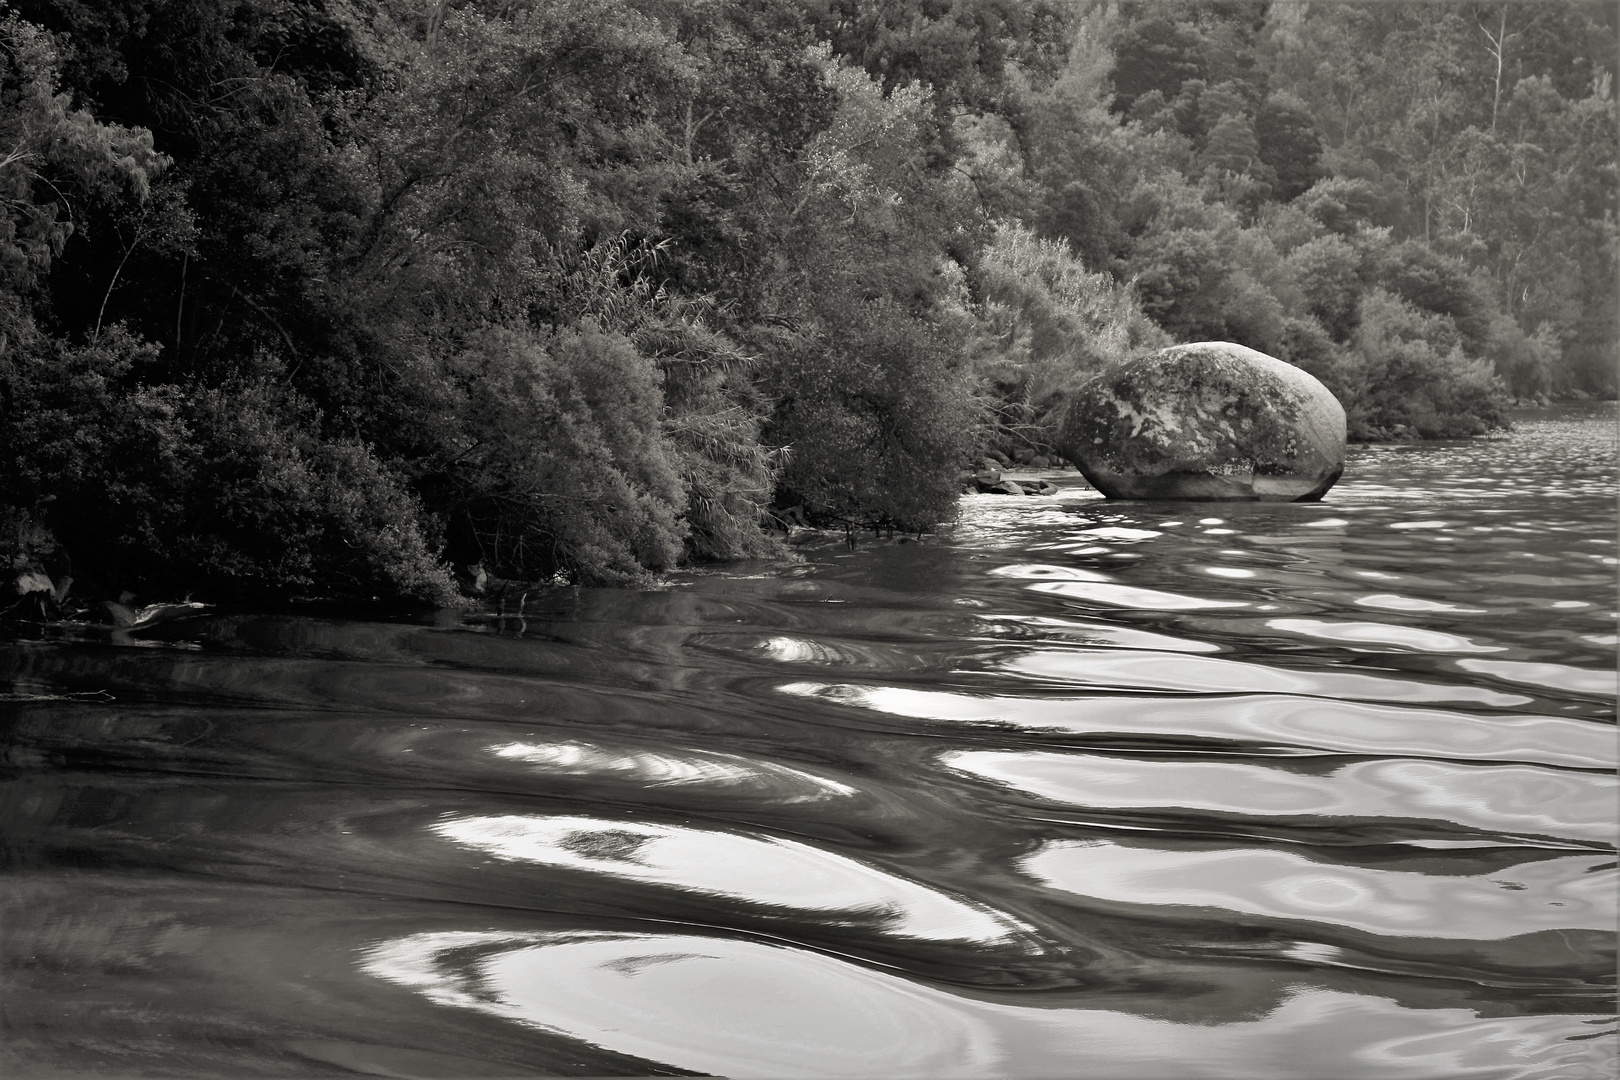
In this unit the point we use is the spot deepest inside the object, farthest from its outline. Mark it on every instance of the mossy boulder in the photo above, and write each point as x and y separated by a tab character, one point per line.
1206	421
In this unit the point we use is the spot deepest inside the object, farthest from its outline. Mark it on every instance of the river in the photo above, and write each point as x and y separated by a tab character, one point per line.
1071	789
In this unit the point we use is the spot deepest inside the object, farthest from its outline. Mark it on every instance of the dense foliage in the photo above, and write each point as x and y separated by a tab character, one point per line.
326	296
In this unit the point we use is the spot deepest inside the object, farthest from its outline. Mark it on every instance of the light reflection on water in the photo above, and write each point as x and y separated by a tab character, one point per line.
1262	721
1553	894
751	869
1148	671
572	757
1075	788
1351	634
748	1009
1510	800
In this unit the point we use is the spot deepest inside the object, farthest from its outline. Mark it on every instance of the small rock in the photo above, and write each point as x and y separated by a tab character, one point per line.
1008	487
1023	455
1040	461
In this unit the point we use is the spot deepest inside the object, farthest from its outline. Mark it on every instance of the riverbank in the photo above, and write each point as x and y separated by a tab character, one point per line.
43	590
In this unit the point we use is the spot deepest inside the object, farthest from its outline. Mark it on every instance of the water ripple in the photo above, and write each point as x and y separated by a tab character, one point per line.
760	870
1567	893
1515	800
1256	720
1414	638
754	1009
1550	676
1210	675
572	757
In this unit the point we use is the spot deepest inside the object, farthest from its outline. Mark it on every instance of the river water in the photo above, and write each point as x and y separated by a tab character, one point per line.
1073	789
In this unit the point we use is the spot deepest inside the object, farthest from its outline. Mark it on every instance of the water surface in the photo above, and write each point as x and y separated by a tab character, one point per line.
1075	788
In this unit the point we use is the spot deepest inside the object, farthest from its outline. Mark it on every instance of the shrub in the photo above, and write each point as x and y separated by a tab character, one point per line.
724	469
271	503
1051	324
1526	362
712	411
1306	344
231	490
1407	367
564	468
1341	204
1202	276
1436	283
877	413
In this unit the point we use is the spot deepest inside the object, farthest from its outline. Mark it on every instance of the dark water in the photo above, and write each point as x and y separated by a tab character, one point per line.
1077	790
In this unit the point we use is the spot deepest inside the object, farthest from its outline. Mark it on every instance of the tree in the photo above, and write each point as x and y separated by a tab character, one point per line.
1288	143
55	160
872	395
958	49
566	468
1479	114
1156	53
1326	269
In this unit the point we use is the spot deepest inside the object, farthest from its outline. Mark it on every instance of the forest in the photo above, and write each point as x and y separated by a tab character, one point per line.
329	297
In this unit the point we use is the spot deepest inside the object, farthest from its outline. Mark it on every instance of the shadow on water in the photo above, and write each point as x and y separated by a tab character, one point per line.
1078	788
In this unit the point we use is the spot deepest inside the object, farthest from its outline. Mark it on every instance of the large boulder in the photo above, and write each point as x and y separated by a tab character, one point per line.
1209	420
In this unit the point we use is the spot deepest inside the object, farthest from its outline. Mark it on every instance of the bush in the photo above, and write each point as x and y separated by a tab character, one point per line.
724	469
1407	367
877	414
559	464
1436	283
1202	276
1051	324
1526	362
229	490
1342	204
712	411
1306	344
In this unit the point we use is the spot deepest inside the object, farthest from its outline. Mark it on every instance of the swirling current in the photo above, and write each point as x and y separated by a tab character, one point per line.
1074	788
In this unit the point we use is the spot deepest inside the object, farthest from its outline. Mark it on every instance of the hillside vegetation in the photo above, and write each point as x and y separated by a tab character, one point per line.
322	297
